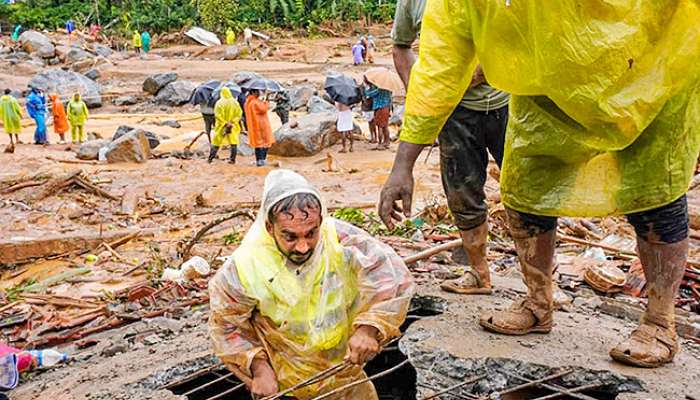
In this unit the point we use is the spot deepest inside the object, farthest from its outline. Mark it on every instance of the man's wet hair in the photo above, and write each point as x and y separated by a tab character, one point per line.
8	91
304	202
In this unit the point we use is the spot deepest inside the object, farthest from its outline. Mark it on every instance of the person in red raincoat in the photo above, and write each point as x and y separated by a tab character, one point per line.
60	122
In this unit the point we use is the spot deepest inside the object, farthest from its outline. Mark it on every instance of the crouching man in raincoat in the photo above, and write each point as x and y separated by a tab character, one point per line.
304	292
604	120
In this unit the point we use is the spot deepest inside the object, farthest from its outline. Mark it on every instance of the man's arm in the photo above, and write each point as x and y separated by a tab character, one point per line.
403	61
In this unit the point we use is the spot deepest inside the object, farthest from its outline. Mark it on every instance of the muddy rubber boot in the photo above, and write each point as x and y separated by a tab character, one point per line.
212	153
478	279
534	313
234	152
655	341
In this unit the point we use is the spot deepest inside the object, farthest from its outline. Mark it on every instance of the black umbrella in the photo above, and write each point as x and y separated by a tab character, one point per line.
262	84
343	89
202	94
235	91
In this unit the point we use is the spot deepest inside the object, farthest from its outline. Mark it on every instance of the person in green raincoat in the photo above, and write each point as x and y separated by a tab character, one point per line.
136	41
230	37
146	41
77	115
11	114
604	119
227	129
16	33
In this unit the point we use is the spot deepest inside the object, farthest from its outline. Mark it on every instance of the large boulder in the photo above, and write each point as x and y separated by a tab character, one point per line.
244	76
232	52
35	42
310	135
76	54
91	149
299	96
154	83
176	93
317	105
67	83
103	51
131	147
153	140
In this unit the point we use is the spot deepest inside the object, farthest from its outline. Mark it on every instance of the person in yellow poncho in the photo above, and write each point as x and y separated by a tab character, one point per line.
77	115
11	114
136	41
603	121
227	128
230	37
304	292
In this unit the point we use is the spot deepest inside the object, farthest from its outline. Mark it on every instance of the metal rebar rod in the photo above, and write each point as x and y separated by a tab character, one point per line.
228	378
462	396
569	392
531	382
320	376
553	388
222	394
206	385
361	381
194	375
453	387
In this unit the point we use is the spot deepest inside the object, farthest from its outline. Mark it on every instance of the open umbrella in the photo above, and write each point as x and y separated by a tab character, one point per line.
202	94
343	89
235	91
385	79
262	84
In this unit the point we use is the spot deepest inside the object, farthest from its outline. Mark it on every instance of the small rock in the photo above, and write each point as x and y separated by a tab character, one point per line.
103	51
171	123
76	54
244	76
154	83
150	340
115	349
131	147
176	93
168	325
125	101
232	52
588	302
90	149
93	74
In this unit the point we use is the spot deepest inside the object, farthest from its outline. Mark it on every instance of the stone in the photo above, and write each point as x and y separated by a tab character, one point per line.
231	52
90	149
592	303
299	96
131	147
171	123
313	133
68	82
244	148
167	325
76	54
93	74
153	140
125	100
83	65
176	93
397	116
150	340
244	76
35	42
317	105
154	83
115	349
103	51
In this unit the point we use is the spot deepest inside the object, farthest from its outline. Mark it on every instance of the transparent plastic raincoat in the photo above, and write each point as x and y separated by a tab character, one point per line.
606	106
300	323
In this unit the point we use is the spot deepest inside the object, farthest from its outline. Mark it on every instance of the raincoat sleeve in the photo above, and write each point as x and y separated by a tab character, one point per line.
261	107
230	328
384	282
443	71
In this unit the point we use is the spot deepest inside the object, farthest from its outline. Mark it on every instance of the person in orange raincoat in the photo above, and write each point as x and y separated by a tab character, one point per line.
260	134
60	122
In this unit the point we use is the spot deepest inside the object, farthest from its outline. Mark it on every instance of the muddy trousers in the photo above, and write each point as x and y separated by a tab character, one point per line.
77	133
215	150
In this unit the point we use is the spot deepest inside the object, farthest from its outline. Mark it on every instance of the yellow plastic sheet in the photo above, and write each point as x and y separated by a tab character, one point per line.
606	101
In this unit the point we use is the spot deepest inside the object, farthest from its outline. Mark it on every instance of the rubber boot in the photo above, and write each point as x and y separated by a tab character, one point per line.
655	341
213	151
478	279
534	313
234	152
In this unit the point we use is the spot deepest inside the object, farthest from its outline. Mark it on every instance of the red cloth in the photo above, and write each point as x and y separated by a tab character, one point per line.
381	117
24	359
60	122
259	129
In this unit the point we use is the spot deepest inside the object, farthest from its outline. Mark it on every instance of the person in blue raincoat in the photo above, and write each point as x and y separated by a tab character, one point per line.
36	108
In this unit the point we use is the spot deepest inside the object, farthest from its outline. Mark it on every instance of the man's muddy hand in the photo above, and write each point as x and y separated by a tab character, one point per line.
264	379
363	345
399	187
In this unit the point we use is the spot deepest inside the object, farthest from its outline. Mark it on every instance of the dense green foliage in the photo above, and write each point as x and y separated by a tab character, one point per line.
121	16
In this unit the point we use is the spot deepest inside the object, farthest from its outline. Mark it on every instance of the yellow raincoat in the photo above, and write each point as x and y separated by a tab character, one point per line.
300	323
230	37
136	40
227	110
606	106
11	115
77	115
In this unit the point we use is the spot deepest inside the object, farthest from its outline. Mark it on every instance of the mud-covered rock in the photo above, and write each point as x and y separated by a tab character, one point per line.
35	42
93	74
153	140
154	83
232	52
318	105
125	100
103	51
91	149
76	54
68	82
172	123
311	134
176	93
131	147
299	96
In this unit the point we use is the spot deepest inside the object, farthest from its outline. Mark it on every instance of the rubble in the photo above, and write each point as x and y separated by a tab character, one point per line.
90	150
125	101
153	140
76	54
93	74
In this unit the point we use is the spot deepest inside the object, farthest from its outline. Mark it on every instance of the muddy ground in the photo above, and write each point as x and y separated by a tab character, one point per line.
177	197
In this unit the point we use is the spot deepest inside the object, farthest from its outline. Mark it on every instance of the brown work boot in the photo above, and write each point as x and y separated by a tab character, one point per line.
478	279
534	313
655	341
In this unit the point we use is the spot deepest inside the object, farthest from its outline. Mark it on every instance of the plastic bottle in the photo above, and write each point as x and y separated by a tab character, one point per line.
48	358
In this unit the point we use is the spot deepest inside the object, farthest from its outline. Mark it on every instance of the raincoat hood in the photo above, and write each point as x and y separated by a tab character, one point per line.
53	97
226	93
76	97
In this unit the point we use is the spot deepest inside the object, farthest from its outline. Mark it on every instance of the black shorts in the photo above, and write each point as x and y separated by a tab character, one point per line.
209	121
465	141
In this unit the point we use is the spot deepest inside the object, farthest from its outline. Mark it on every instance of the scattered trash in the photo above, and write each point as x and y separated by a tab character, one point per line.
203	37
605	277
195	267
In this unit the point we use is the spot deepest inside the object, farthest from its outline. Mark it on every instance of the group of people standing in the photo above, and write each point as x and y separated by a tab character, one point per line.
73	116
363	50
141	41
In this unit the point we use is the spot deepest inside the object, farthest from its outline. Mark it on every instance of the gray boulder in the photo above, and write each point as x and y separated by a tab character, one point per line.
317	105
171	123
76	54
397	116
131	147
93	74
244	76
176	93
68	82
299	96
244	148
35	42
103	51
312	133
153	140
91	149
154	83
125	101
232	52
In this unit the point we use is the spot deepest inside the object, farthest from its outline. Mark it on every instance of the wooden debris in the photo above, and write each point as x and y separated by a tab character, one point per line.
188	246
